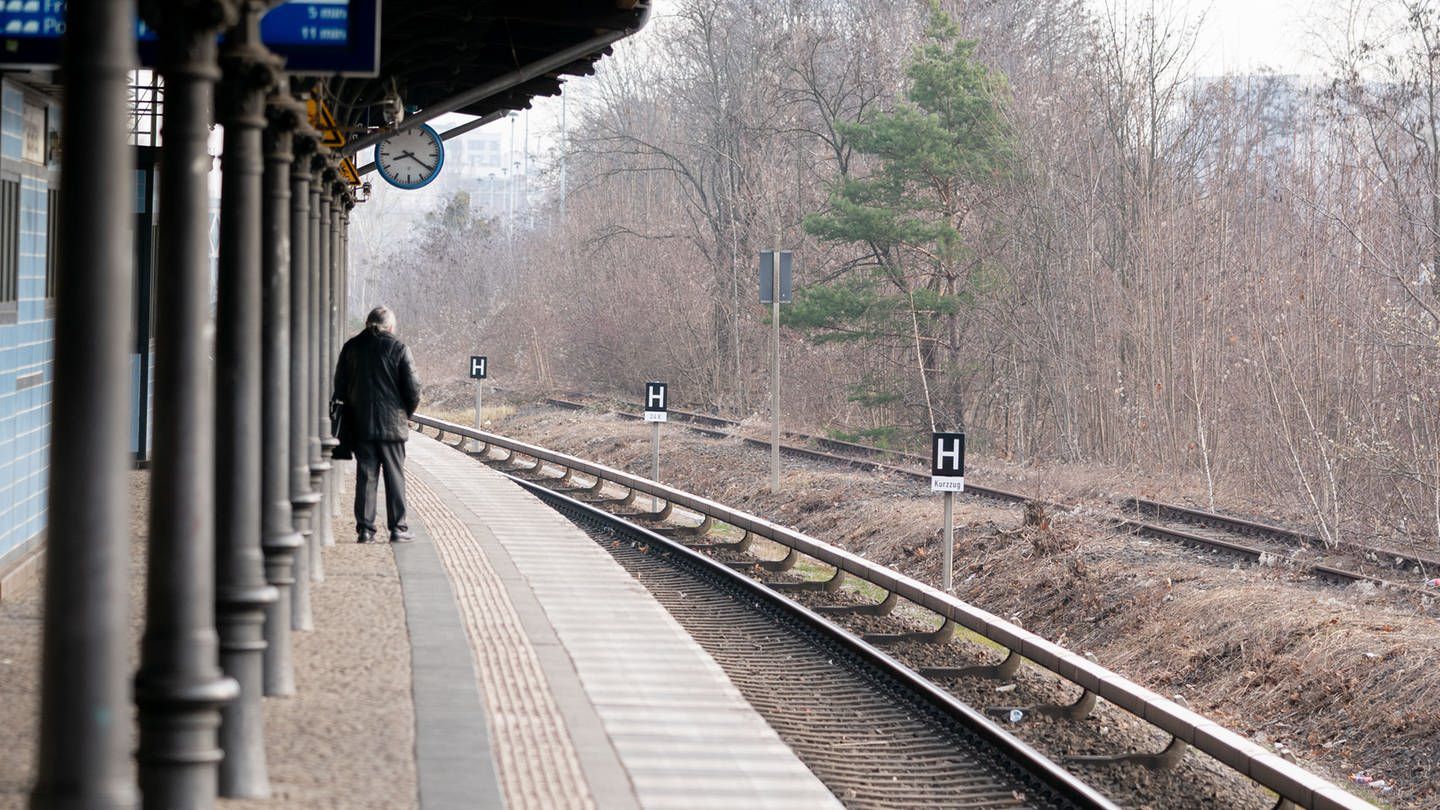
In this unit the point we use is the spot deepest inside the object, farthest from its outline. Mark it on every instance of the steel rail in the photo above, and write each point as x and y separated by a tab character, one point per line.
1007	744
1257	528
803	452
1291	782
723	422
1184	514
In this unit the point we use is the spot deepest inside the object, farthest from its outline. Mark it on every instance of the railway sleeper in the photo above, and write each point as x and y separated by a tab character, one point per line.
658	516
700	529
1001	671
940	635
1079	710
882	608
742	545
593	490
830	585
570	488
1164	760
783	564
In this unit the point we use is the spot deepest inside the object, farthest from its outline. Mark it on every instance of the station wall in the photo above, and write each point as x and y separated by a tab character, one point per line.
28	121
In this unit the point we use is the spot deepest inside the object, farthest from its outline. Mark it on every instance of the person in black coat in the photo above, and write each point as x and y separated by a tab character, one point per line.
375	378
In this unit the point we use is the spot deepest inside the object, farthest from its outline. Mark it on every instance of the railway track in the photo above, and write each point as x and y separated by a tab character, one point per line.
1251	541
873	732
1062	704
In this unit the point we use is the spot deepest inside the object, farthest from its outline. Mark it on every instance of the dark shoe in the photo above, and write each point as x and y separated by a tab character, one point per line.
402	537
366	537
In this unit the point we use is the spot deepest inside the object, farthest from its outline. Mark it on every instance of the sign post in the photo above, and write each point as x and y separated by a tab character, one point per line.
478	364
947	475
775	290
657	410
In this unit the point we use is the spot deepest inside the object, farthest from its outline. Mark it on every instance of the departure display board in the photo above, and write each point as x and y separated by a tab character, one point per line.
314	36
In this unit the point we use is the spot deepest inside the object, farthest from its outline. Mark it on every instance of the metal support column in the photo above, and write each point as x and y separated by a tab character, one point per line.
180	688
342	317
336	307
344	325
319	409
323	376
279	539
241	592
83	759
303	499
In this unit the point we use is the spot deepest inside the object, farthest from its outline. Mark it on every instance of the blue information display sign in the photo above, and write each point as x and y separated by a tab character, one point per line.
314	36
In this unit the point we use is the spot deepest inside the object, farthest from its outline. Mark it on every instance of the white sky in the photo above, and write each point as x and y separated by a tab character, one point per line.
1243	36
1239	36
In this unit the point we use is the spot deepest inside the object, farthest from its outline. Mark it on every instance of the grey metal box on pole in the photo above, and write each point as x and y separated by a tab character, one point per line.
768	292
775	290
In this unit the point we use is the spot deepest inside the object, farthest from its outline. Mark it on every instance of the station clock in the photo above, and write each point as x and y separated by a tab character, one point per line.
410	158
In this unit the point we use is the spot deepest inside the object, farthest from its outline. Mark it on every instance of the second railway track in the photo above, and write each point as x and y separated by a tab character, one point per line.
1248	540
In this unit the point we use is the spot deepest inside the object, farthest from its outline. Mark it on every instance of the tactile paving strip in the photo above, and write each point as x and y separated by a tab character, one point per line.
684	733
535	760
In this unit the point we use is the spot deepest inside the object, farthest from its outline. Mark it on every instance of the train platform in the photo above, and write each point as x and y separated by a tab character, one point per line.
593	694
504	659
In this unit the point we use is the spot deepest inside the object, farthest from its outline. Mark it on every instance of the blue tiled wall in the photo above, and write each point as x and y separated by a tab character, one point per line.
136	401
26	349
12	122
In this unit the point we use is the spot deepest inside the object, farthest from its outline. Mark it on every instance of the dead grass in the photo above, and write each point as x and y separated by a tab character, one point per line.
1341	679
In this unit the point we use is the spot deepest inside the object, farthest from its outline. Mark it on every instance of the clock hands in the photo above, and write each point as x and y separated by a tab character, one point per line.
408	144
422	163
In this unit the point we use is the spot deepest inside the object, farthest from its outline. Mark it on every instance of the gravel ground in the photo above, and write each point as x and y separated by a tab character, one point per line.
346	740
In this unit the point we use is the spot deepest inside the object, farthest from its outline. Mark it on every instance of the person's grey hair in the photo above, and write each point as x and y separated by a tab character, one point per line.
380	319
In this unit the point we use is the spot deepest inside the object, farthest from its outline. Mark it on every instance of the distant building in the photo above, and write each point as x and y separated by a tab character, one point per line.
477	163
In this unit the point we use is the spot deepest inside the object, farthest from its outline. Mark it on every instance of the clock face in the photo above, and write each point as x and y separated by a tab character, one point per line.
411	157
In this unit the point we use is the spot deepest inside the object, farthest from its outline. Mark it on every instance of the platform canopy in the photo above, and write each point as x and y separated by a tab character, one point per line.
480	57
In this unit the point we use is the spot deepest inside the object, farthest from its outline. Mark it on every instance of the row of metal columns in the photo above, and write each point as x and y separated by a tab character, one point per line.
242	490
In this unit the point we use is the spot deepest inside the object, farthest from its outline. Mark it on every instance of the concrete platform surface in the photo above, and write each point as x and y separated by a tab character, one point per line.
595	696
502	660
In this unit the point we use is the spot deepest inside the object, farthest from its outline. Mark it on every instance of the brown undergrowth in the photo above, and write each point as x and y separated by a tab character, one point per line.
1340	679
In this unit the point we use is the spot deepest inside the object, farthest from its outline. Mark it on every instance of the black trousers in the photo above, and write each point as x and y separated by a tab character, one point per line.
371	459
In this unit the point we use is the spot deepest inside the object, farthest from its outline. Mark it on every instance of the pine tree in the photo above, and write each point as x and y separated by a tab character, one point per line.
933	160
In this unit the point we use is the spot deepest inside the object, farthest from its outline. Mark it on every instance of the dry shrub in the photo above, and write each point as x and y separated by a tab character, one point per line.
1326	679
1037	514
1047	542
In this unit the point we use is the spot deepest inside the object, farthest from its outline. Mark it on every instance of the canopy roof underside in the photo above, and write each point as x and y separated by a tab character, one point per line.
432	50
